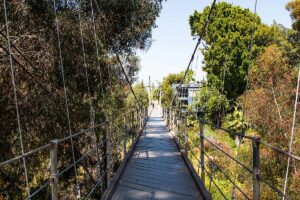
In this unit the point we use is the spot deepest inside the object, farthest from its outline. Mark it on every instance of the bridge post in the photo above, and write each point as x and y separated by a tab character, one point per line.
186	141
201	125
132	127
170	120
53	170
256	168
174	120
125	138
179	126
138	120
141	118
168	117
145	115
108	155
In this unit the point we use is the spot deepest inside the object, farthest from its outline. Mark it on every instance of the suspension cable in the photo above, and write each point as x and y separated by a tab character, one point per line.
127	79
96	46
99	68
92	111
245	99
292	134
225	66
15	96
250	58
196	67
196	47
65	91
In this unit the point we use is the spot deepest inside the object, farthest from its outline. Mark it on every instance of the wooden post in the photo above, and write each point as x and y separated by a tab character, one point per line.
141	120
256	168
132	127
108	155
136	119
178	127
145	116
53	170
174	120
202	151
170	117
125	137
186	135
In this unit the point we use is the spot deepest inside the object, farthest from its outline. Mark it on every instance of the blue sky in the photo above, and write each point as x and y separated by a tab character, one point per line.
173	44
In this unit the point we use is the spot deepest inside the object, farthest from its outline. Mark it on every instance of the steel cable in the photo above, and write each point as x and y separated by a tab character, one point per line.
292	135
196	47
15	96
92	111
65	89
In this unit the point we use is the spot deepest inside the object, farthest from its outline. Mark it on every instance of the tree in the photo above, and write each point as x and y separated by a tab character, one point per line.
269	107
211	102
227	45
141	94
121	26
269	101
294	7
168	81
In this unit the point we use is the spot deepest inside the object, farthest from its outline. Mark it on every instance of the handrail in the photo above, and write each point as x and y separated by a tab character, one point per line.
181	134
232	158
212	180
139	123
274	148
227	177
48	145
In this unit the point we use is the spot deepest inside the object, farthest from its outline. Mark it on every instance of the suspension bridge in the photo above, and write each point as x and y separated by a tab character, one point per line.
145	153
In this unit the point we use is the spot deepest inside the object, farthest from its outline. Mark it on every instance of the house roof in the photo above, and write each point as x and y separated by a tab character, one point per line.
190	85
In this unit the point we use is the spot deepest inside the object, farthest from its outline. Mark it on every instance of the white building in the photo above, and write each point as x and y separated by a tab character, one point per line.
186	93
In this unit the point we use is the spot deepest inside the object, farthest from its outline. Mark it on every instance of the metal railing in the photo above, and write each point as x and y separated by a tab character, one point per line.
132	124
177	122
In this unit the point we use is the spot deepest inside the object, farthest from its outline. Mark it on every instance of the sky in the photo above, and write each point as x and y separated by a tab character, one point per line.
172	41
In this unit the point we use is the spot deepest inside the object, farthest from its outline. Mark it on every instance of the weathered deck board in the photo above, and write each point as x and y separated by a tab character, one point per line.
156	169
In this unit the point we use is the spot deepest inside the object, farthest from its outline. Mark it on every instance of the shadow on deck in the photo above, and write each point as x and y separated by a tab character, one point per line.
156	169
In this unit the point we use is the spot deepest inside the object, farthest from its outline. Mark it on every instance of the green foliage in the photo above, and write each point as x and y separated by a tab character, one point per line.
121	26
141	94
212	102
227	45
268	101
294	7
235	121
168	81
156	93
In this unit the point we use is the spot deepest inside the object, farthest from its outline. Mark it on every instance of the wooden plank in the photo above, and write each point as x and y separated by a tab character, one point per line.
171	186
156	168
112	187
194	174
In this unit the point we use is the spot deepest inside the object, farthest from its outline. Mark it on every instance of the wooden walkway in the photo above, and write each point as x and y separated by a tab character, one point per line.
156	169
